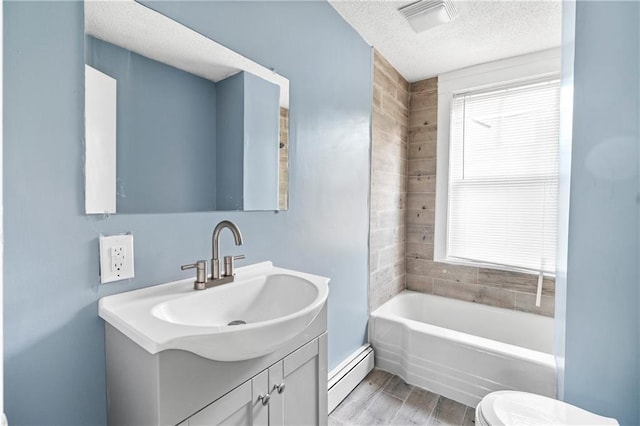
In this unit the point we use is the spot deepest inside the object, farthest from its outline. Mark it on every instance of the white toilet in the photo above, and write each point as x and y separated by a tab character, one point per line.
512	408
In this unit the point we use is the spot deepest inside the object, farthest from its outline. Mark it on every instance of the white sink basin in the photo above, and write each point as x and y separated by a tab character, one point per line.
269	305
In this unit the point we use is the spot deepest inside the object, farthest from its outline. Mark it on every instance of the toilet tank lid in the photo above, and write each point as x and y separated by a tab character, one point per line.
521	408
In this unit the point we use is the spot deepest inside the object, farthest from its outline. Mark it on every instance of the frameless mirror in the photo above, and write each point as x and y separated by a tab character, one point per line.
175	122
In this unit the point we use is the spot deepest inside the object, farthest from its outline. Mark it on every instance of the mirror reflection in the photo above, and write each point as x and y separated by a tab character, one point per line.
176	122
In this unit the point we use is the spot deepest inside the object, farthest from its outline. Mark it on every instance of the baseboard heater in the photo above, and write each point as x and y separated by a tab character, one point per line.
346	376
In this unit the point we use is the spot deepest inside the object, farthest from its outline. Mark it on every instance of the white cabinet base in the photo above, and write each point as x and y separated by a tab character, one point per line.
178	387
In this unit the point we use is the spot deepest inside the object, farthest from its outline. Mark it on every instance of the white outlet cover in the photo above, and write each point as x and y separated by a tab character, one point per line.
107	243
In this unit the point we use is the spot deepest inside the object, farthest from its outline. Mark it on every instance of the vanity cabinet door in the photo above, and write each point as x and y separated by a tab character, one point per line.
240	407
291	392
260	408
298	386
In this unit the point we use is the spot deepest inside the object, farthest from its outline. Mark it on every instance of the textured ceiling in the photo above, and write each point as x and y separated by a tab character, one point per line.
484	31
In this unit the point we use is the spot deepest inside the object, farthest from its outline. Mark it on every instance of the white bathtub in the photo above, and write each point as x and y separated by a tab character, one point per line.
463	350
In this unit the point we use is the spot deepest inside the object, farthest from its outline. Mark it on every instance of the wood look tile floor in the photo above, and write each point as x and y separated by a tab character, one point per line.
384	399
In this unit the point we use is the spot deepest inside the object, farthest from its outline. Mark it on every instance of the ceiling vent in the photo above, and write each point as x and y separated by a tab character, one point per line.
426	14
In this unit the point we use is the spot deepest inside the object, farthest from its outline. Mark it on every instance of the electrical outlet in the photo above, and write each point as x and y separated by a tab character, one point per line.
116	257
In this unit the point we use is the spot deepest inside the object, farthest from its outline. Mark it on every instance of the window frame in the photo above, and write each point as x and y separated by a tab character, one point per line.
539	65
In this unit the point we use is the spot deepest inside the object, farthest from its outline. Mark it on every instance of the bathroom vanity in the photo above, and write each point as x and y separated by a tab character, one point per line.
163	367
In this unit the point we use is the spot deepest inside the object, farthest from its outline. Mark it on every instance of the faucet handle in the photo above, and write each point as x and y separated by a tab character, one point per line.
201	273
228	264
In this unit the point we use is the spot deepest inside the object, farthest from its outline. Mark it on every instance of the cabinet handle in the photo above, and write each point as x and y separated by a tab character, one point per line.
279	388
264	398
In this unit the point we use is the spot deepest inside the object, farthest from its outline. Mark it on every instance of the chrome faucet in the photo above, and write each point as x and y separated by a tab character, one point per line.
202	281
215	261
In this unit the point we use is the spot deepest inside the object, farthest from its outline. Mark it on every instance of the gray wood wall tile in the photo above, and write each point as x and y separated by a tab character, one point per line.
474	293
426	134
420	283
422	149
420	250
388	219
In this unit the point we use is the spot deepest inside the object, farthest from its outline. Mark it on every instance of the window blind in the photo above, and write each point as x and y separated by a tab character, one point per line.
503	176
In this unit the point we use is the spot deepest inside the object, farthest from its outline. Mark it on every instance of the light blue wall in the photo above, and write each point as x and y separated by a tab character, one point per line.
602	347
247	133
261	140
165	117
54	341
230	135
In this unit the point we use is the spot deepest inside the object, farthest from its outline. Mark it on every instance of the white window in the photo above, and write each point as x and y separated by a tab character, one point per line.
501	184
